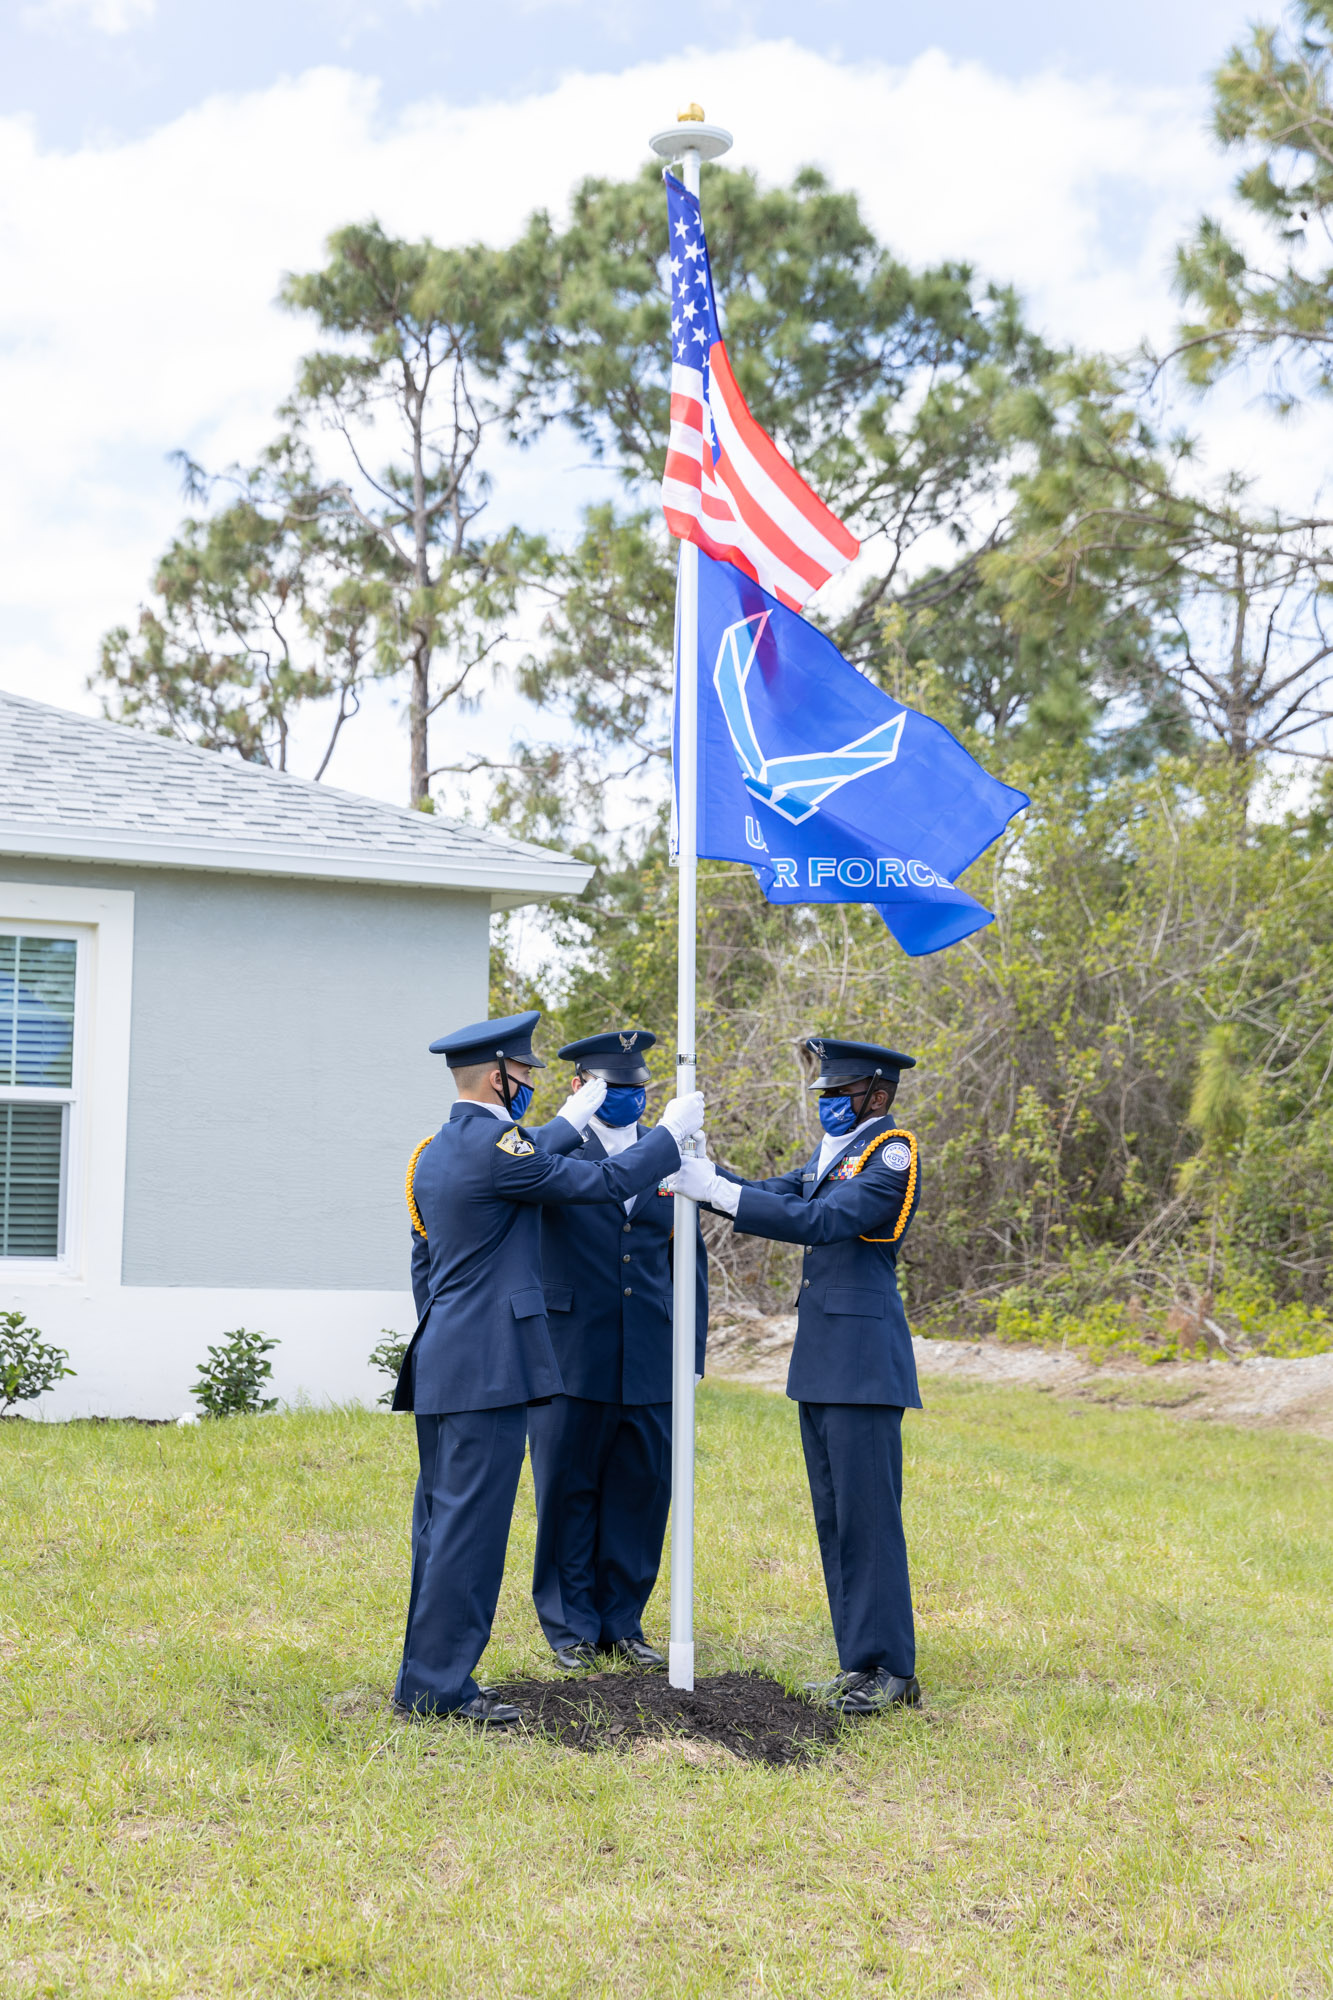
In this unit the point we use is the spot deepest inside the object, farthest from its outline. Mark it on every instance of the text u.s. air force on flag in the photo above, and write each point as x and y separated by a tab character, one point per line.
832	791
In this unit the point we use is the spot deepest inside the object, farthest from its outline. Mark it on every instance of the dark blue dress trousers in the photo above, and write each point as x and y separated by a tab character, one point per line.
603	1475
470	1462
854	1462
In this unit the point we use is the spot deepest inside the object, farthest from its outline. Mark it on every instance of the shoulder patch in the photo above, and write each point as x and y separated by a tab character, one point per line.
513	1143
897	1155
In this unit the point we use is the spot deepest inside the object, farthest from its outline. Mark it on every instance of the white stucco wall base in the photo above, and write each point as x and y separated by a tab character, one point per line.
138	1348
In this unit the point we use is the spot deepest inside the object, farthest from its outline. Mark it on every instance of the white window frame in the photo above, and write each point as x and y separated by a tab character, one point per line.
93	1193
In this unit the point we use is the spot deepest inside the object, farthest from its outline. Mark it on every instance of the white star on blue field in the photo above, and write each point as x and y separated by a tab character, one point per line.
694	325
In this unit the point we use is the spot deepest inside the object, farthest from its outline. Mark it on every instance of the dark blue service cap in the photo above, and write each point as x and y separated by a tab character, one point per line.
618	1056
484	1041
851	1062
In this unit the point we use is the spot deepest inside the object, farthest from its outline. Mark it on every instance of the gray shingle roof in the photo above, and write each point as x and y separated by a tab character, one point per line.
97	791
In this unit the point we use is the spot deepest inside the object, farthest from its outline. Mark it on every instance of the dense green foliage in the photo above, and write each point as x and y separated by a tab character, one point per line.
1123	1088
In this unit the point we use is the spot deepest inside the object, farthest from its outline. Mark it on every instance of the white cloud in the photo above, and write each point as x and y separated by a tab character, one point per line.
108	17
138	309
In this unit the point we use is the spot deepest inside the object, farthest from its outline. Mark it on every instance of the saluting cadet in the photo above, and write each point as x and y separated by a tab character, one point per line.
481	1353
601	1452
852	1370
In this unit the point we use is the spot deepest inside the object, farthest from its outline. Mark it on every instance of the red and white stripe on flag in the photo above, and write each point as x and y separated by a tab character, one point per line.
746	505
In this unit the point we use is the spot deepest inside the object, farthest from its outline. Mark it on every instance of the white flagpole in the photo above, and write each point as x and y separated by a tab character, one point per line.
691	142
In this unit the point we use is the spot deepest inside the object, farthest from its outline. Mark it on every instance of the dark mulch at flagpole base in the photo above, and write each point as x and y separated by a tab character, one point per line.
749	1715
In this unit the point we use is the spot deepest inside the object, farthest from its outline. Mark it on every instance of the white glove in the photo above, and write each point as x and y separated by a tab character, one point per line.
584	1103
699	1180
684	1115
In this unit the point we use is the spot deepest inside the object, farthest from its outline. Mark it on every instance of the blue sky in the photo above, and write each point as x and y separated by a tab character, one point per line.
163	162
98	69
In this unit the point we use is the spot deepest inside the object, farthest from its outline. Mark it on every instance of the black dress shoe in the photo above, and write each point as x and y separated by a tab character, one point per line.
828	1687
489	1711
872	1693
485	1707
575	1659
637	1651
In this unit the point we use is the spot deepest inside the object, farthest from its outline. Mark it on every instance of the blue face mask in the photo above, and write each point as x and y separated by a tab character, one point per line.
623	1105
520	1097
837	1116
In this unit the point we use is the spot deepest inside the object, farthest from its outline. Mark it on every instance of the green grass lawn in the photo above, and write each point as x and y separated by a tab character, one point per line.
1122	1782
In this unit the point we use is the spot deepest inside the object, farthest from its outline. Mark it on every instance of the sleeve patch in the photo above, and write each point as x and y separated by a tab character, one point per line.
897	1155
513	1143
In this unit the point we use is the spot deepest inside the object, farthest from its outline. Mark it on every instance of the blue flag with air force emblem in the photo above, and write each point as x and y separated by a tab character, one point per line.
832	791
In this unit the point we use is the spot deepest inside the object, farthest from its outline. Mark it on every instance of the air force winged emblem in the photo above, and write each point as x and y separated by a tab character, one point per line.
627	1041
793	786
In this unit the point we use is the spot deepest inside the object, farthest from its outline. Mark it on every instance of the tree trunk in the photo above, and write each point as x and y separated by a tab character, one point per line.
423	648
420	783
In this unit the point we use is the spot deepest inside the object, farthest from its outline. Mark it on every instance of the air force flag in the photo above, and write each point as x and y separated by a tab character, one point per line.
829	789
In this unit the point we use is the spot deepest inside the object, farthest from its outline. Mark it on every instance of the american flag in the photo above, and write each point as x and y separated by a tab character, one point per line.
726	485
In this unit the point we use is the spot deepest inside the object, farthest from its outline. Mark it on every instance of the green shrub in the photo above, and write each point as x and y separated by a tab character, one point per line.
1266	1327
388	1357
231	1379
1247	1312
1096	1330
29	1365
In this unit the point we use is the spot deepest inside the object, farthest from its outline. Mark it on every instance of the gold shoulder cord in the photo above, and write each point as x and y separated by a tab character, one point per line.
882	1139
412	1208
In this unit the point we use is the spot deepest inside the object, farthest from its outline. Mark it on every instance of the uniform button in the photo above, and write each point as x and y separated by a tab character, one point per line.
627	1228
806	1283
625	1258
629	1291
808	1248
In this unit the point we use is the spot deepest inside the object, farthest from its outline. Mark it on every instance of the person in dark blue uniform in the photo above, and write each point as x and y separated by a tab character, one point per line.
481	1353
601	1452
852	1371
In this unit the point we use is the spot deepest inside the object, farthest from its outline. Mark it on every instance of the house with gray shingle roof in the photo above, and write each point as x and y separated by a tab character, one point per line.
217	987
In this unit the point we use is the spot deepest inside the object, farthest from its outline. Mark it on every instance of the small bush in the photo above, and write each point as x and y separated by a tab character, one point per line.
29	1365
1266	1327
233	1375
388	1357
1250	1318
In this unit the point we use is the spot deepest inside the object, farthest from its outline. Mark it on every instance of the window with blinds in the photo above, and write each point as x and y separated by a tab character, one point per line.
38	980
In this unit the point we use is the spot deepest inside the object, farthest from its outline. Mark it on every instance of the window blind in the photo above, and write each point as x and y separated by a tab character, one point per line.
37	1011
31	1148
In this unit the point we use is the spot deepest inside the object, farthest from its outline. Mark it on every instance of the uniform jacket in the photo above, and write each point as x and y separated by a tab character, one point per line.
559	1136
608	1278
852	1339
478	1186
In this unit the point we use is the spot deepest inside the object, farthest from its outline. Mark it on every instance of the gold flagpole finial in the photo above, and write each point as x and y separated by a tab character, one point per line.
693	114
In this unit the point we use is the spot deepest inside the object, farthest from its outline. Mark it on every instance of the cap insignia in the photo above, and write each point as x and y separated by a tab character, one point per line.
627	1041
